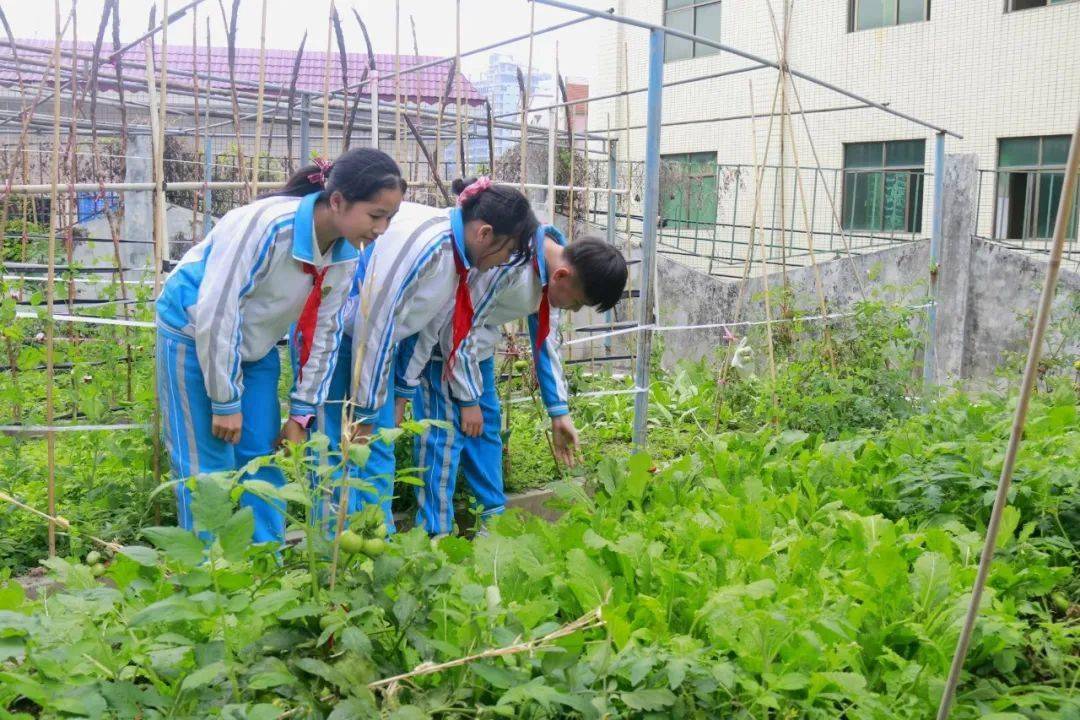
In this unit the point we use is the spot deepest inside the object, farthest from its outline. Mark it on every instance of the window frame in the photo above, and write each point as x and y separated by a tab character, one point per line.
691	7
1036	174
1009	9
690	160
853	9
914	207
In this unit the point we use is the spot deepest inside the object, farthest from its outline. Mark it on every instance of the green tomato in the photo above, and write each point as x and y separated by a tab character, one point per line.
374	547
380	531
98	569
351	543
93	557
521	365
1061	603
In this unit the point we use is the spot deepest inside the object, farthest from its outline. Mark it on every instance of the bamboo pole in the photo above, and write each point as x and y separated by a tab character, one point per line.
397	80
526	94
50	289
259	111
73	166
415	169
326	84
765	267
159	155
1027	384
195	118
457	90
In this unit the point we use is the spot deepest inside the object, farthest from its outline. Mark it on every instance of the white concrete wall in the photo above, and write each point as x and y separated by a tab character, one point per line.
971	68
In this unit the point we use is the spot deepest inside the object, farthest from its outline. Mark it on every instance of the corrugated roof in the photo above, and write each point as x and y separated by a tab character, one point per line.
279	64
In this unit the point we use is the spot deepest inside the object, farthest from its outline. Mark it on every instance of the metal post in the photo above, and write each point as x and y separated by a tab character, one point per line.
930	354
650	215
612	208
305	129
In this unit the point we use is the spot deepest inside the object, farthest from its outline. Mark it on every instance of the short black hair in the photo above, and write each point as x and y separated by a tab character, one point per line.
601	270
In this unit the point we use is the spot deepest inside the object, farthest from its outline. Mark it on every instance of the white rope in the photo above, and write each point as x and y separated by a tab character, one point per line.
27	429
724	325
577	396
85	319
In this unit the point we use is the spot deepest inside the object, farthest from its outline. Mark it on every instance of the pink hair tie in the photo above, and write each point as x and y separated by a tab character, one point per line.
320	176
480	185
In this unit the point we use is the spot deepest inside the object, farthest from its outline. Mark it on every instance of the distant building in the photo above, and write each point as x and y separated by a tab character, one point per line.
499	84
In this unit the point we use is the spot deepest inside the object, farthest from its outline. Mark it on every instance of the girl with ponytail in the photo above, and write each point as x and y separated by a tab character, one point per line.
288	257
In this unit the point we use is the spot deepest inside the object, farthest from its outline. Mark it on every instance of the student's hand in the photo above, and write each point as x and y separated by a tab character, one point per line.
361	433
399	410
564	437
291	432
472	420
227	427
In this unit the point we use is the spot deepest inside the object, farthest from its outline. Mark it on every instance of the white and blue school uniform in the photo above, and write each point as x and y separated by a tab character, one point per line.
219	317
328	418
408	293
504	295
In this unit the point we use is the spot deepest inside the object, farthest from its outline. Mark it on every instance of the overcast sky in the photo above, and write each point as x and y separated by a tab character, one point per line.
482	22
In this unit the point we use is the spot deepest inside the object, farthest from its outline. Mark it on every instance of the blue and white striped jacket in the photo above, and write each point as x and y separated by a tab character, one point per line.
408	290
506	294
237	292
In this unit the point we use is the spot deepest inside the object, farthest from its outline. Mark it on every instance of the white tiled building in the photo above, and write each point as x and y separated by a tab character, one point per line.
990	70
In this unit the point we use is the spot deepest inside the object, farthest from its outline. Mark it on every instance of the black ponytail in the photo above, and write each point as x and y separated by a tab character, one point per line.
505	209
359	174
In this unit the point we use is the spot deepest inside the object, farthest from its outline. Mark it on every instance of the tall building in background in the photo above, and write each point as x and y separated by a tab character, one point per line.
499	84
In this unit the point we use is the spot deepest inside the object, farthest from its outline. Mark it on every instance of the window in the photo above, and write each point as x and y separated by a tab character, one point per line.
1014	5
867	14
883	186
697	17
688	191
1031	172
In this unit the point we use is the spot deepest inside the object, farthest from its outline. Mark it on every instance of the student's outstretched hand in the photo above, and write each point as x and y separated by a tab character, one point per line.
292	432
227	427
361	432
472	420
399	411
564	437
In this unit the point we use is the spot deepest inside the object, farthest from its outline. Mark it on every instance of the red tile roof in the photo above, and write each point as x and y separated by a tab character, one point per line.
279	63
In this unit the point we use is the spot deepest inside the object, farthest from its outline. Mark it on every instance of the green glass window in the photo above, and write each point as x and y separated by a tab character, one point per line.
697	17
688	191
1030	176
883	186
867	14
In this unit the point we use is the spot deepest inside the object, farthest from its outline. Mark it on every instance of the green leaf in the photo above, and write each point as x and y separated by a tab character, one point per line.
235	537
147	557
11	595
930	579
179	545
211	504
353	709
204	676
650	699
1010	520
175	608
359	454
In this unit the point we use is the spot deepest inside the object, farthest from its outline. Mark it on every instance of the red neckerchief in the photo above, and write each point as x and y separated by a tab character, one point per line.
543	325
463	310
304	335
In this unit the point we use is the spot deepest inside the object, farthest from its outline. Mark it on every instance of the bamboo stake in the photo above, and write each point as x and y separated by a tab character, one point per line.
1027	384
457	89
195	99
415	169
230	28
591	619
56	520
50	289
526	92
442	108
159	155
765	266
326	83
397	81
259	110
782	52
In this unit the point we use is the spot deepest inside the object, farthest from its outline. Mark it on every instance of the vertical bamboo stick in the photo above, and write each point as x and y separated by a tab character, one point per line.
73	168
259	105
50	288
764	262
195	118
457	90
397	81
326	84
414	173
526	94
